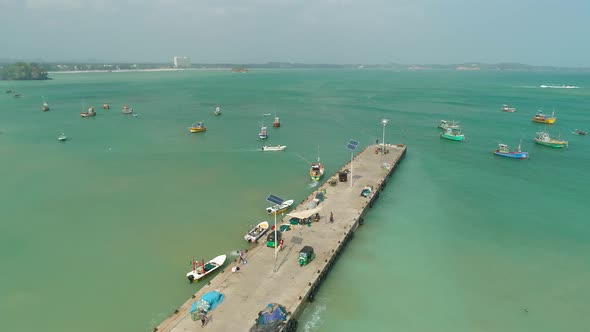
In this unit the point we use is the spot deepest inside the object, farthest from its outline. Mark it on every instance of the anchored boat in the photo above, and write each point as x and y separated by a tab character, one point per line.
505	108
200	270
257	232
45	107
543	138
62	137
88	113
127	110
453	134
277	122
199	127
504	151
274	148
279	208
540	117
579	132
263	134
217	111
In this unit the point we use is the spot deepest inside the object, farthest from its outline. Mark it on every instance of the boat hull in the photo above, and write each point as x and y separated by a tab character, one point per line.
458	138
515	155
197	130
552	144
545	121
274	148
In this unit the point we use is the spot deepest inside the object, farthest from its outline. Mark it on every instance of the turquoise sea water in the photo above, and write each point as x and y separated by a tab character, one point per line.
96	233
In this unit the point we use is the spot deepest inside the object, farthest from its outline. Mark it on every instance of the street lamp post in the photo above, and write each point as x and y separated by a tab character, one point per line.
384	122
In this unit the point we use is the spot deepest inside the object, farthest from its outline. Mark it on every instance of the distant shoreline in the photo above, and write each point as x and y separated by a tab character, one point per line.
130	70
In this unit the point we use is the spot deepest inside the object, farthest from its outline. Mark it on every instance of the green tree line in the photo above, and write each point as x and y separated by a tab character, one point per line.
23	71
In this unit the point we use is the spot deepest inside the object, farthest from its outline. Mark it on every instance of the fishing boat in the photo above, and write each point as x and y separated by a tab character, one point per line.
217	110
276	123
504	151
62	137
127	109
579	132
316	171
200	270
544	138
274	148
257	232
198	128
453	134
17	95
88	113
444	124
106	106
506	108
540	117
275	209
263	134
45	106
9	91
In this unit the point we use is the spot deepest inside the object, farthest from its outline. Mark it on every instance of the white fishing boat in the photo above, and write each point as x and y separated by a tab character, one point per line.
200	270
263	134
279	208
217	110
274	148
257	232
127	110
62	137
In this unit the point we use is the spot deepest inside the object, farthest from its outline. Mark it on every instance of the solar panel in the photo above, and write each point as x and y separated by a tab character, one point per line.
275	199
352	144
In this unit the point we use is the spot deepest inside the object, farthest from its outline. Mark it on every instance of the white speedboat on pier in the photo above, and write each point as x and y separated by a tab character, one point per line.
274	148
200	270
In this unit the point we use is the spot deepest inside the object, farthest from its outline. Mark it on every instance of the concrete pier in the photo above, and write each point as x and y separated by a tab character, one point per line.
248	291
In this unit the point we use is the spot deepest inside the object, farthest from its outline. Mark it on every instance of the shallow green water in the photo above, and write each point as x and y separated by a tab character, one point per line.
96	233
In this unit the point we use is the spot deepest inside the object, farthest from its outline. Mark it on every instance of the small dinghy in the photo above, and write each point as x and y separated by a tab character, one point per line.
257	232
200	270
579	132
62	137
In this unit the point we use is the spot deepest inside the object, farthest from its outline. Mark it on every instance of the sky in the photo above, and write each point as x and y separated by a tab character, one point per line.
537	32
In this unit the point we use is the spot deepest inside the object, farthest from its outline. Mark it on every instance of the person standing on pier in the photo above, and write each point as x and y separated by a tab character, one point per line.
203	317
331	217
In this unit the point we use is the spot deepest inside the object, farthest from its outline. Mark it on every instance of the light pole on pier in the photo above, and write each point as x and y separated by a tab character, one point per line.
384	123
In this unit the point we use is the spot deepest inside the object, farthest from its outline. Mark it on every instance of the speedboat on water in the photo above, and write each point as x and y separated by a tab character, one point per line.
274	148
88	113
506	108
579	132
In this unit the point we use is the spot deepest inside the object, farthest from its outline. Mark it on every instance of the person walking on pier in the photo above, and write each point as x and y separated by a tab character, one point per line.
331	217
204	318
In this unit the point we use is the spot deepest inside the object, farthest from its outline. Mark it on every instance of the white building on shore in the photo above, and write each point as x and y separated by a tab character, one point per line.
182	62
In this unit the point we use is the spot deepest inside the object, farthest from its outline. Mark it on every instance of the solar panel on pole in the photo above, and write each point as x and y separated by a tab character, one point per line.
275	199
352	144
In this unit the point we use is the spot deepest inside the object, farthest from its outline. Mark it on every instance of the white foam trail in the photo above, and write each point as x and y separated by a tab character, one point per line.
312	184
316	319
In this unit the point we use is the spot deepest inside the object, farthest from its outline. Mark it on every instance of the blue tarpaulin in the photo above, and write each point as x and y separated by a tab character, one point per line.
208	302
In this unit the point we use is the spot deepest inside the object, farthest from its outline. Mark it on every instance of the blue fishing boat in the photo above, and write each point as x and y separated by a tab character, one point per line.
504	151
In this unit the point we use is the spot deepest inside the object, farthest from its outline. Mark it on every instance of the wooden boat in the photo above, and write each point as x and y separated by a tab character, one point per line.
543	138
127	109
277	122
505	108
579	132
198	128
279	208
106	106
263	134
274	148
257	232
444	124
504	151
45	106
88	113
540	117
217	111
62	137
200	270
316	171
453	134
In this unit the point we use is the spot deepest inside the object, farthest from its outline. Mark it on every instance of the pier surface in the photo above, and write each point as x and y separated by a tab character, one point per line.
248	291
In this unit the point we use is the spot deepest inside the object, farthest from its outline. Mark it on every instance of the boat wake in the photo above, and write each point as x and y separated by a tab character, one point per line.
561	86
312	184
315	320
